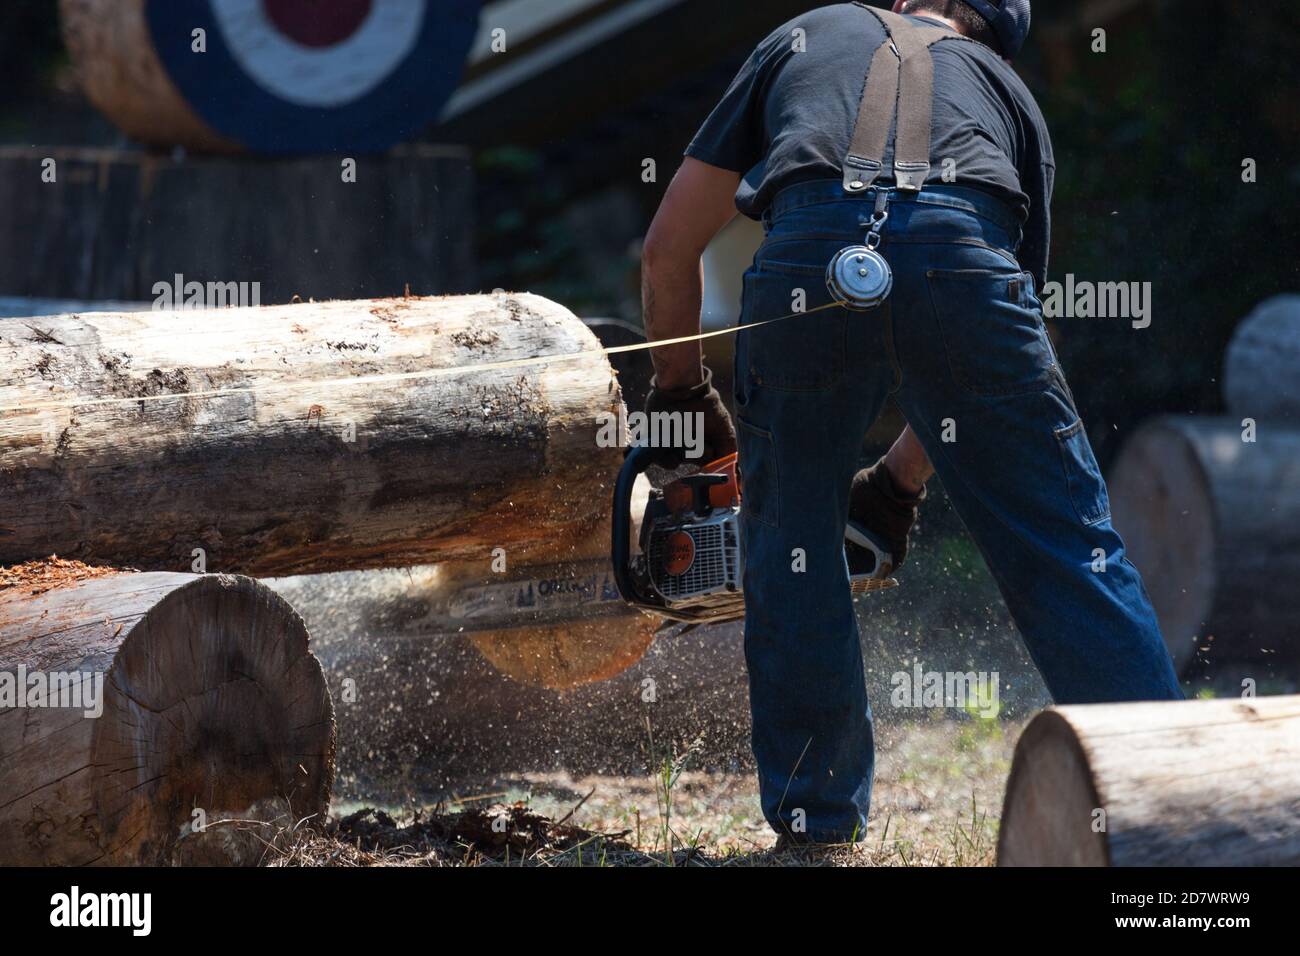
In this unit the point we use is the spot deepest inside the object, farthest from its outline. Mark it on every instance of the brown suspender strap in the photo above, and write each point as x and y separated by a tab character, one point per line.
875	114
915	104
906	91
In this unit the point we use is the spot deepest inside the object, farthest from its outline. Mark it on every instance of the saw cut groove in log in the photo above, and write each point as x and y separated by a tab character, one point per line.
559	645
304	473
1261	371
557	625
1213	524
1174	783
210	701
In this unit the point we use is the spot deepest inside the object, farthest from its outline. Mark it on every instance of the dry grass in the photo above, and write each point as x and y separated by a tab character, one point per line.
937	797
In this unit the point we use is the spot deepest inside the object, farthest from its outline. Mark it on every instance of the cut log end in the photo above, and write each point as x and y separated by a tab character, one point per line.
1259	369
1168	783
1051	799
212	704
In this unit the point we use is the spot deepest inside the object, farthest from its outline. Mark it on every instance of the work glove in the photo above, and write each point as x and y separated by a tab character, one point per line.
719	435
876	504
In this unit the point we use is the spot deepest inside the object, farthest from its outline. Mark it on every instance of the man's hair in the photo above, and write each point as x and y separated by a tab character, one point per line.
972	24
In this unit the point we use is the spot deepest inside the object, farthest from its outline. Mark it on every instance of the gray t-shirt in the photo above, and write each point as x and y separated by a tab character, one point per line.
788	117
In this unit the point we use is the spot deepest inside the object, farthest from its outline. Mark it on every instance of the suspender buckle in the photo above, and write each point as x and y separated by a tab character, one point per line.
859	173
910	177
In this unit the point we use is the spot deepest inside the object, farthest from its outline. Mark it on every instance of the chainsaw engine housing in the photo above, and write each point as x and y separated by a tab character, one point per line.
690	566
690	563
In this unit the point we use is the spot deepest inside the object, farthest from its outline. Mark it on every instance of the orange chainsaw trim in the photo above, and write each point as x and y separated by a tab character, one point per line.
678	496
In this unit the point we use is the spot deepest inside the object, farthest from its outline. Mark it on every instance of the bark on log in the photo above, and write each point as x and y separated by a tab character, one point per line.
1213	524
1182	783
1261	372
262	475
211	701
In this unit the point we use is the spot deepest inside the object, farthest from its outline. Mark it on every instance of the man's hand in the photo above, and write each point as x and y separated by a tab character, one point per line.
699	202
701	399
877	504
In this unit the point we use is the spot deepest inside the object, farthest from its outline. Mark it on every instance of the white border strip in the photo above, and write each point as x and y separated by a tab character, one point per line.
564	47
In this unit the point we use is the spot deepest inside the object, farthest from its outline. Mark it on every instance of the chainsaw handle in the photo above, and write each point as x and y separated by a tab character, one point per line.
638	459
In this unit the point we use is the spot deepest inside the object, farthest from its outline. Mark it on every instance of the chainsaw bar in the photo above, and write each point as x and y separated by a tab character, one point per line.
871	585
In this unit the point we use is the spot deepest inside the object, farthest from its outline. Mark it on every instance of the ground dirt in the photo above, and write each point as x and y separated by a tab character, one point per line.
936	803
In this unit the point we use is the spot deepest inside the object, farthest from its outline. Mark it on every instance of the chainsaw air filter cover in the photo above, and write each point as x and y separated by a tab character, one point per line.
859	278
696	556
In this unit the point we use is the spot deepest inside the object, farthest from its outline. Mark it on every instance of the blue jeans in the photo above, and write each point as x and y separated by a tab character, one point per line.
961	347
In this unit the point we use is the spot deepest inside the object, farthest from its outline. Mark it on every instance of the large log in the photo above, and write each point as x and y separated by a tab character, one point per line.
1175	783
118	69
1213	523
209	700
1261	371
285	462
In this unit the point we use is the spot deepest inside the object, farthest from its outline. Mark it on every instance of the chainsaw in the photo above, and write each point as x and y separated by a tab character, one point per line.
691	559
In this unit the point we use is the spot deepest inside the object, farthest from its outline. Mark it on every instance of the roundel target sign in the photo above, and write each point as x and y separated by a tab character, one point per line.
277	76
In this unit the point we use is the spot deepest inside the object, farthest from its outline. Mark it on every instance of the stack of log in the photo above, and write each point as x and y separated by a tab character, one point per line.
1210	506
243	443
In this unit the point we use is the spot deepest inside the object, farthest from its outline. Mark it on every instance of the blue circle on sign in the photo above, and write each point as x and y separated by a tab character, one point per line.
277	95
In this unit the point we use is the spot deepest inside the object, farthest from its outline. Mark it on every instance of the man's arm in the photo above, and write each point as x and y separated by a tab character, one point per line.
699	202
1038	229
908	465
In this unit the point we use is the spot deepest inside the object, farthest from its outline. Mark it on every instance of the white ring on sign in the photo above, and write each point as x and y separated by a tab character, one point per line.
334	76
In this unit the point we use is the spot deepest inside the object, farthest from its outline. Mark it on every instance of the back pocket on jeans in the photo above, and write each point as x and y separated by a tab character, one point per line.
1083	479
993	333
802	353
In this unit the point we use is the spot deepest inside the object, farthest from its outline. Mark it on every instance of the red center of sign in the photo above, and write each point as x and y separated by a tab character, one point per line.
317	22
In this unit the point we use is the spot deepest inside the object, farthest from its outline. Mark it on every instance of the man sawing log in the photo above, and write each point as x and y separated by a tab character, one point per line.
919	287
